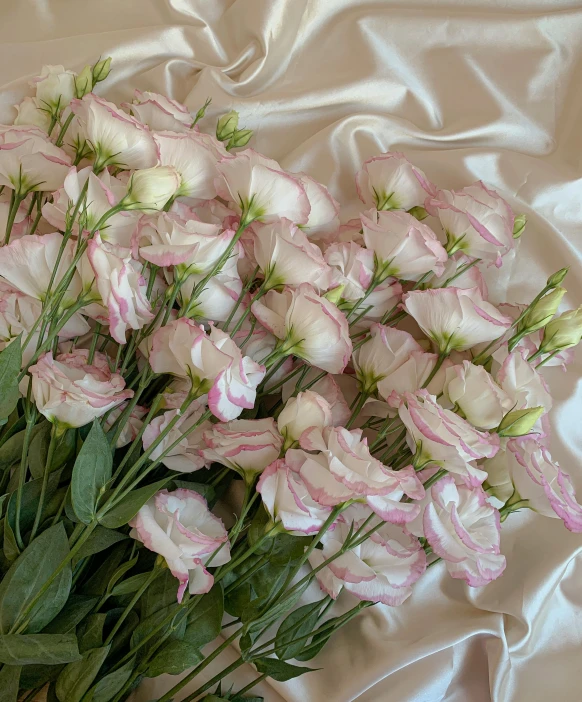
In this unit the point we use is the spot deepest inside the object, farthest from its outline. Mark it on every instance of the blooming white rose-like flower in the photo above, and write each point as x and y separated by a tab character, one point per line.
441	437
288	501
116	138
70	392
391	182
525	386
122	289
344	469
286	256
195	159
455	319
150	189
30	113
477	221
526	472
381	569
55	87
159	112
30	162
404	247
186	456
324	213
311	327
28	264
473	390
246	446
303	412
131	427
464	530
179	526
260	189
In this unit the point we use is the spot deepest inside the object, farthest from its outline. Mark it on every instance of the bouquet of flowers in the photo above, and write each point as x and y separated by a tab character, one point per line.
184	323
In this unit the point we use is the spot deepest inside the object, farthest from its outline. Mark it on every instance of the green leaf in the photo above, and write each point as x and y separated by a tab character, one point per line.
296	625
9	680
11	550
174	659
111	684
214	698
90	633
131	504
11	451
48	649
207	491
39	446
130	585
76	609
29	573
77	677
119	573
29	502
320	638
163	592
279	670
152	622
205	622
10	364
97	583
91	473
100	539
33	676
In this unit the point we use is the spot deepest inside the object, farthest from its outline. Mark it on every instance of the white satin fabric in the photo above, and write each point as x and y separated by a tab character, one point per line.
468	89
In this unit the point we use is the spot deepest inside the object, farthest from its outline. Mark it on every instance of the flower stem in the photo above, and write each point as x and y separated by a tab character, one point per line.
360	402
15	200
435	370
55	438
31	421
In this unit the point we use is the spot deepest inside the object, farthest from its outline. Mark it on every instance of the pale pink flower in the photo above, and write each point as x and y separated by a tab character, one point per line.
411	376
455	319
160	112
463	529
328	388
286	256
32	114
344	469
55	87
195	160
441	437
218	297
477	221
246	446
473	390
524	385
324	214
122	289
403	247
150	189
287	500
179	526
131	427
311	327
258	346
186	456
70	392
381	569
391	182
117	139
301	413
258	188
29	161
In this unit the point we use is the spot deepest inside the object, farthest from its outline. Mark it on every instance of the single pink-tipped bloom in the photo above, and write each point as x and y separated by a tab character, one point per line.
287	257
55	87
525	386
455	319
179	526
132	426
288	501
312	327
159	112
29	161
477	220
464	530
411	376
323	218
328	388
391	182
31	114
441	437
257	186
302	413
404	247
344	469
247	446
116	138
381	569
121	287
70	392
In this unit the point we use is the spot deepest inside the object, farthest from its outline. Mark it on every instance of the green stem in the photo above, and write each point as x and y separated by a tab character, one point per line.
548	358
31	421
436	369
94	341
64	128
252	684
243	292
55	438
15	200
153	575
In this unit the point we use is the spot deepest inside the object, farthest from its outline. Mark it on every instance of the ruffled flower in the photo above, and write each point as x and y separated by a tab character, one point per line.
159	112
303	412
324	213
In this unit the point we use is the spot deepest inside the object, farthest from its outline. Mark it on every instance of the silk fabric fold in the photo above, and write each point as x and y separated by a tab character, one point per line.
467	89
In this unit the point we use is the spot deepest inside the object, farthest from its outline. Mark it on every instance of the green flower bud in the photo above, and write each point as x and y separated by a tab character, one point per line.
201	112
519	422
557	278
563	332
519	225
227	125
335	294
419	212
241	137
84	82
101	70
542	312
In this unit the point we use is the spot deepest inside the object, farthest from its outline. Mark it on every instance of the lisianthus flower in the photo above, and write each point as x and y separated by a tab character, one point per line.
303	412
159	112
323	217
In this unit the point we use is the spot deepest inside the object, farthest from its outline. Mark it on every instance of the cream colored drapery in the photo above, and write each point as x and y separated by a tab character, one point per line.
468	89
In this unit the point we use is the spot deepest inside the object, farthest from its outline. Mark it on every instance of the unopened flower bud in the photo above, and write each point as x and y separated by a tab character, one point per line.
557	278
201	112
563	332
241	137
542	312
227	125
335	294
419	212
84	82
101	70
151	188
519	422
519	225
